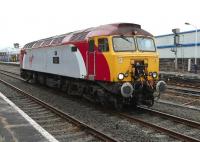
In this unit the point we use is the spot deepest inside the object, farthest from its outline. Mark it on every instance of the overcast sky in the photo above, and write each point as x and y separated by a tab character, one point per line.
23	21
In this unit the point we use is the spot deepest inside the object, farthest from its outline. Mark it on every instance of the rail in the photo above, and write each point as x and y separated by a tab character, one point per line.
65	116
169	132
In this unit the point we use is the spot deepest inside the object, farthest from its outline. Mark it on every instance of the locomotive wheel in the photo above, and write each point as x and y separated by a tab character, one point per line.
118	104
42	79
27	77
102	98
34	78
148	96
134	104
69	89
156	96
150	103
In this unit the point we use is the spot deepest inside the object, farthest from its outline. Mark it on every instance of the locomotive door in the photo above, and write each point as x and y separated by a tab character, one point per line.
91	59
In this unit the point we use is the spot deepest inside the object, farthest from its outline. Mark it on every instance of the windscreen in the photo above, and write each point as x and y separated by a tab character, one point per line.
123	43
145	44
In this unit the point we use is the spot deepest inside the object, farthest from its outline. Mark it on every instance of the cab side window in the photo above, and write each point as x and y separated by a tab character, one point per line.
103	45
91	46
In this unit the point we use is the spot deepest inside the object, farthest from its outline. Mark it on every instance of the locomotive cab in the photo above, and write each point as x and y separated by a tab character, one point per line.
134	66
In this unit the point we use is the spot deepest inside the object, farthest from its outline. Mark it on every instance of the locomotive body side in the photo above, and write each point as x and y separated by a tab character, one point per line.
116	64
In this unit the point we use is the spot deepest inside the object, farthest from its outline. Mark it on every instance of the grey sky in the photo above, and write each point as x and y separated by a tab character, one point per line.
27	20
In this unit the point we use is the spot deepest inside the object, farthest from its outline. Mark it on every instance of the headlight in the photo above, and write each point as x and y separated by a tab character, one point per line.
154	74
121	76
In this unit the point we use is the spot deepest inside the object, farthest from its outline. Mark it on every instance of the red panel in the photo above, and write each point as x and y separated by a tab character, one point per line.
102	67
22	52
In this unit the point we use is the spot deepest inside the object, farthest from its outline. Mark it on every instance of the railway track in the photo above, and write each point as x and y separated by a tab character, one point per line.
186	105
61	125
171	90
9	72
193	93
184	85
175	88
168	128
186	91
172	81
167	117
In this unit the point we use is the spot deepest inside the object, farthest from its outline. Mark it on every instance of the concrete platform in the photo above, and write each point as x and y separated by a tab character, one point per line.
10	63
16	126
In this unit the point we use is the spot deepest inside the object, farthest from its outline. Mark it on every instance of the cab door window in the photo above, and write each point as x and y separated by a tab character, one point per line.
103	45
91	46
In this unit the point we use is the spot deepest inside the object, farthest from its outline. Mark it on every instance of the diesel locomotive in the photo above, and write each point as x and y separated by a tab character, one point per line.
115	64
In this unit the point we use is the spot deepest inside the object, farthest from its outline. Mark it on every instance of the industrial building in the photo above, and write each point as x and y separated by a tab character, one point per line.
10	54
187	50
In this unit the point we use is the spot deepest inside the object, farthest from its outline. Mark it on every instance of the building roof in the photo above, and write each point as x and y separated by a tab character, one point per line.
185	32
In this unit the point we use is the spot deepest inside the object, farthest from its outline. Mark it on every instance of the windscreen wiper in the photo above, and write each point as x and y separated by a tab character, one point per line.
123	37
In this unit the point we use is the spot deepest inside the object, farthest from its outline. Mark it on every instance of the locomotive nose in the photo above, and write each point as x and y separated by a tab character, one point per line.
127	89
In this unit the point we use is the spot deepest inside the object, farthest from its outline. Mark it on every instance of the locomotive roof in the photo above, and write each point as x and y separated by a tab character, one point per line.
109	29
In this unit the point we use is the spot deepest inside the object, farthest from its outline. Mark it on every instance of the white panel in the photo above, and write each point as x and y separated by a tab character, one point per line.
81	63
70	63
35	59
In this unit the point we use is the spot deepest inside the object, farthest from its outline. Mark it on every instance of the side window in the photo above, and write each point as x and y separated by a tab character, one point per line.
103	45
91	46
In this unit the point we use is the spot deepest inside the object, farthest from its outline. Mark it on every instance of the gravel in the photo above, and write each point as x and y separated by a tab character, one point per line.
181	99
111	125
118	128
60	127
180	111
167	123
